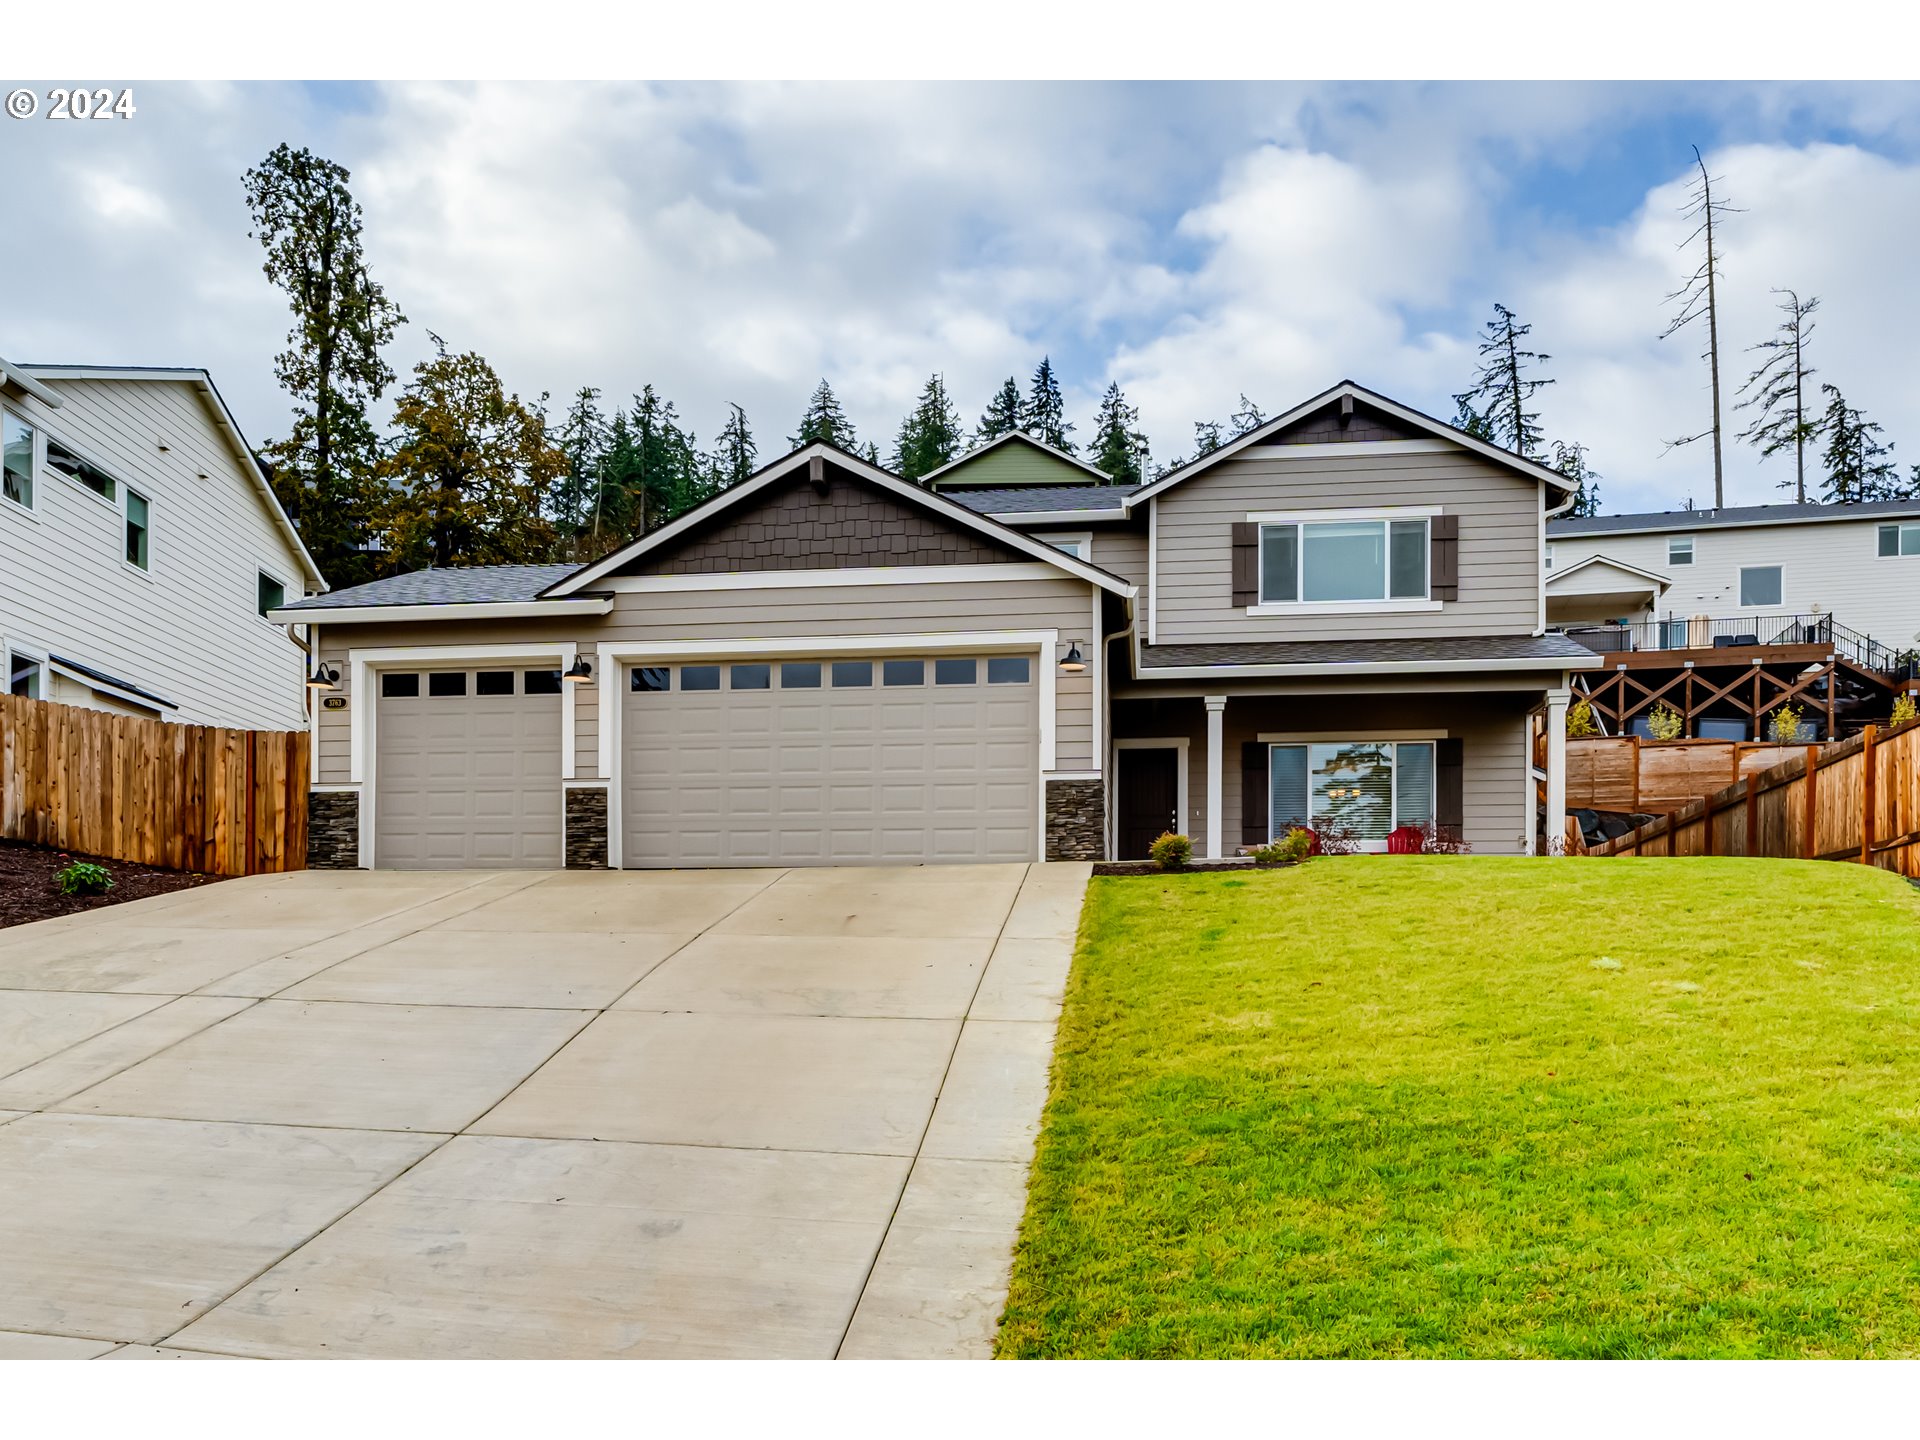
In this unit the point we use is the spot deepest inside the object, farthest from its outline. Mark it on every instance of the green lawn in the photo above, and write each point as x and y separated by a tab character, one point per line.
1483	1107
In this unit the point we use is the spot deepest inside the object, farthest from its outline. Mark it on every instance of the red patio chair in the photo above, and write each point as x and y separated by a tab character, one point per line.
1407	840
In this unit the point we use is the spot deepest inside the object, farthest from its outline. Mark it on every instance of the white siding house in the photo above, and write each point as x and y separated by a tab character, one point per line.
140	547
1858	563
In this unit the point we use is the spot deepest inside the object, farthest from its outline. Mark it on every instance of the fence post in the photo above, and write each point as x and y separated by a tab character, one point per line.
249	865
1866	796
1753	839
1810	810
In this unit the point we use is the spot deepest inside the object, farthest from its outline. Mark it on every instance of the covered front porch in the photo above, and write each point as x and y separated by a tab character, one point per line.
1235	764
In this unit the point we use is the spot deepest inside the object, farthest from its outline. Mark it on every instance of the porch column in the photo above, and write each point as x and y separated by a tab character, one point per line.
1556	824
1216	740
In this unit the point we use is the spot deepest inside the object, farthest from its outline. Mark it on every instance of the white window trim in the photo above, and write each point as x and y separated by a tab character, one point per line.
1739	586
1369	847
116	501
9	653
1693	550
1897	526
1178	743
612	655
812	579
1382	513
36	462
145	572
286	591
363	703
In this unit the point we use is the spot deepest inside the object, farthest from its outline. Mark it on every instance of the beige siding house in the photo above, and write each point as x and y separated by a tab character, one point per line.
1336	621
142	549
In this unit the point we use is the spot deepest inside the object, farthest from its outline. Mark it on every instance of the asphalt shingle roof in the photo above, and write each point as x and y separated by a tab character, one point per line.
1727	515
454	585
1037	499
1406	650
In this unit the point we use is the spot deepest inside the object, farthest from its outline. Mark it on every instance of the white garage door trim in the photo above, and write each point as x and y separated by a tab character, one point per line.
614	654
363	665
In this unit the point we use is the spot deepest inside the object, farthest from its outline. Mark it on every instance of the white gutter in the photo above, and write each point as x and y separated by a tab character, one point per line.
1376	667
11	374
464	610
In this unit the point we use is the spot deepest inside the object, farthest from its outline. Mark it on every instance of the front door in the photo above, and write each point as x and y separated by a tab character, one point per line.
1149	799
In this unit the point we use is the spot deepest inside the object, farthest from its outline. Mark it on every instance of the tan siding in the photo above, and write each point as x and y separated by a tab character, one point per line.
724	616
1123	553
1493	794
188	628
1499	542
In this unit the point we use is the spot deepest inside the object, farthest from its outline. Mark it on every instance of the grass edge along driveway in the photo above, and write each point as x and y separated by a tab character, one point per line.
1472	1106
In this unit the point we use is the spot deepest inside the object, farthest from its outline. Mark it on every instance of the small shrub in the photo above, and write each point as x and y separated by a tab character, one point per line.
84	878
1783	726
1580	721
1171	851
1338	840
1290	849
1665	722
1904	709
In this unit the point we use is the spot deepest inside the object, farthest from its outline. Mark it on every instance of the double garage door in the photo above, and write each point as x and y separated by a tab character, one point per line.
831	761
810	761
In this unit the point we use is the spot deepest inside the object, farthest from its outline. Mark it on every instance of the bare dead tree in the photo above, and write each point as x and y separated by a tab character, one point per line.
1778	389
1697	298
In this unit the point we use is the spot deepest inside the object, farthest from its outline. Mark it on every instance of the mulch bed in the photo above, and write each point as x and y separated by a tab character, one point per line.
29	892
1147	867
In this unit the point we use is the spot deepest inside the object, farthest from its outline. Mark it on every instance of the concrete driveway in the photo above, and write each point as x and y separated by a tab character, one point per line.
692	1113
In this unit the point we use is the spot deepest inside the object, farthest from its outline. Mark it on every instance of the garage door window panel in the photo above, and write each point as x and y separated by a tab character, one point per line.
699	677
1008	670
447	684
493	682
800	675
751	677
399	685
852	674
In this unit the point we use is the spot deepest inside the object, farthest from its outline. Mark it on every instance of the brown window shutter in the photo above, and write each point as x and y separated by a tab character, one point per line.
1253	793
1246	563
1443	568
1449	784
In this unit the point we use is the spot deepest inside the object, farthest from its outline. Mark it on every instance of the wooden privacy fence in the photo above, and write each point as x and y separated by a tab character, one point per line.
1627	774
186	797
1856	800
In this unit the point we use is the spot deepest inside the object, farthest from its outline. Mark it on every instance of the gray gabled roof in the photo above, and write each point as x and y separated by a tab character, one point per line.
1040	499
454	585
1657	521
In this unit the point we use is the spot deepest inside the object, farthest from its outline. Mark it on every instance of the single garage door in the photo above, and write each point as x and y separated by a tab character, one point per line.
467	770
831	762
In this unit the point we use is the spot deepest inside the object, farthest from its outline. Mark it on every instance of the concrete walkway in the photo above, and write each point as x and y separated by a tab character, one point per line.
668	1114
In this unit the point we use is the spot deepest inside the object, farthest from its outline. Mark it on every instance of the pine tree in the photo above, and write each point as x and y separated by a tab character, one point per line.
1003	413
1206	437
1779	388
1471	421
668	465
1119	448
1247	417
734	452
1501	388
616	510
583	437
1859	466
472	468
1699	297
325	471
825	420
1044	415
931	436
1570	459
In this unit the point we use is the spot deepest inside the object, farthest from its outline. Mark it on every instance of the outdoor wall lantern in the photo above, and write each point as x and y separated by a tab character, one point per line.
324	677
1074	662
579	672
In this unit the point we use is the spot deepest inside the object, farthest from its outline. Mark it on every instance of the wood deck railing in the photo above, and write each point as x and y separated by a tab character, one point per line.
184	797
1857	800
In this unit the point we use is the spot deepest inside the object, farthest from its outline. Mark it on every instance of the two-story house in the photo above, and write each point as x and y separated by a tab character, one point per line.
142	549
1336	620
1751	569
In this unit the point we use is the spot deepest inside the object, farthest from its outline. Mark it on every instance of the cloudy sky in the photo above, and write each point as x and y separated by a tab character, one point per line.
737	243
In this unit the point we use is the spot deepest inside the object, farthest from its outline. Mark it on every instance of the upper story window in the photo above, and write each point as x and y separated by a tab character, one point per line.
16	468
138	513
1760	585
272	594
1330	561
1679	550
85	472
1074	545
1900	538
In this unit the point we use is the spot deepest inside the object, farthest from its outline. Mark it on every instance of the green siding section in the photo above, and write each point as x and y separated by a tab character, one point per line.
1014	463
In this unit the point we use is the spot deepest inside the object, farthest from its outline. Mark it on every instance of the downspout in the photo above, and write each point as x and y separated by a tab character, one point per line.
1107	760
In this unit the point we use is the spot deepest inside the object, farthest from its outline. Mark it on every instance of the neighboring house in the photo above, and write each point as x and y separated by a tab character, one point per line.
1858	564
1337	619
141	550
1014	460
